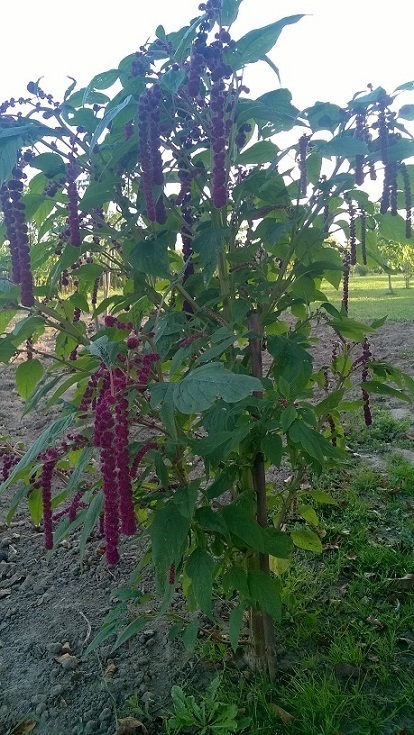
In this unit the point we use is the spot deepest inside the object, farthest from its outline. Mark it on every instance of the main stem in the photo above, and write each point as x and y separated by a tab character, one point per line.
262	630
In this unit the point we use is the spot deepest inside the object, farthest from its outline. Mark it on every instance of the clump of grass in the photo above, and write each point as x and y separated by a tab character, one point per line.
384	433
401	474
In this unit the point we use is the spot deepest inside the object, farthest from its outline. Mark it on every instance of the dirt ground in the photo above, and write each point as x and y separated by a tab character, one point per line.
49	607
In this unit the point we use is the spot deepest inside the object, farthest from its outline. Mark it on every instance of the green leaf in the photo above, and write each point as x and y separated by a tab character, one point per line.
222	482
104	349
272	447
320	496
229	11
100	81
406	112
111	115
309	440
96	194
91	519
200	568
242	525
150	256
277	543
28	375
308	514
307	539
255	44
292	362
190	635
102	636
265	591
44	441
204	385
261	152
35	504
168	532
235	623
209	244
345	145
172	80
131	630
9	150
374	386
50	163
210	520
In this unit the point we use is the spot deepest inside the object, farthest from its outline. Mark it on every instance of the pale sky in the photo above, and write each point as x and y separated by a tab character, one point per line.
333	52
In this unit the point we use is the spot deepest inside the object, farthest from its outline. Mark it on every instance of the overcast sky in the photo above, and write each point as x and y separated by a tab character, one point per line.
333	52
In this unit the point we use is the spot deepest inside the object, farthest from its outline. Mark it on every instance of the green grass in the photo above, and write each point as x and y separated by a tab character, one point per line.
369	297
346	664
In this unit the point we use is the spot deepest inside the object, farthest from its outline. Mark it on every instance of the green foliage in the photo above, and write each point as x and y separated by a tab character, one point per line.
218	236
206	717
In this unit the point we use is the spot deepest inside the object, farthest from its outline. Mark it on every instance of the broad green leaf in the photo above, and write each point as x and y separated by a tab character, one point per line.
265	592
272	447
9	149
35	504
103	124
150	256
168	532
96	194
292	361
229	11
190	635
208	245
50	163
210	520
277	543
255	44
307	539
222	482
28	374
200	568
100	81
345	145
308	514
204	385
308	439
374	386
261	152
241	524
236	579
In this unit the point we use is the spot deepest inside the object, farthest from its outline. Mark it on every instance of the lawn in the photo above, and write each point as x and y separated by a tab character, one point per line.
369	297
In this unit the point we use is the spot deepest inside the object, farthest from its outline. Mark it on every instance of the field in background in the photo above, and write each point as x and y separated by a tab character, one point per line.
369	297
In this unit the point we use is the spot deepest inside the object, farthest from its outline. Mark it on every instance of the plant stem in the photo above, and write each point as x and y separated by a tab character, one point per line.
262	628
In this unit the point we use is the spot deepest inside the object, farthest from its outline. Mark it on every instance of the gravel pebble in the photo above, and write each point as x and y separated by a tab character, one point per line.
91	727
106	714
54	647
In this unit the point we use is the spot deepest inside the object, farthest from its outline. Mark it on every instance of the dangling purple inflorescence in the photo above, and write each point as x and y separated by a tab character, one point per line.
22	237
121	429
366	356
7	208
218	144
105	439
73	201
149	152
50	458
